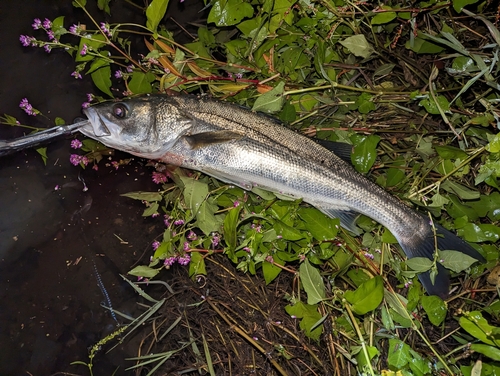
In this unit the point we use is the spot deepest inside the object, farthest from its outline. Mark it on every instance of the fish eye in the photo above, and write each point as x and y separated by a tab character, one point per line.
120	110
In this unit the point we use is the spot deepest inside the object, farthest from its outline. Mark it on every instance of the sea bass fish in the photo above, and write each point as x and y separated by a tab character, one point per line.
248	149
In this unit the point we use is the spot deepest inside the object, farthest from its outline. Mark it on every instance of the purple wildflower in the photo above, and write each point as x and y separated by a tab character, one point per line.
215	241
169	261
90	97
159	178
27	107
37	24
130	68
154	215
186	246
236	204
47	24
83	52
105	29
184	260
166	221
179	222
85	160
408	284
115	164
95	167
192	235
239	75
57	187
77	75
247	249
369	255
75	159
270	259
26	40
47	48
74	29
76	144
85	105
118	74
229	74
155	245
51	35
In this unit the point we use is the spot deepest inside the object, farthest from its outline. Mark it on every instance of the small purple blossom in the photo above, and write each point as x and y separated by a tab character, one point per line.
186	246
77	75
159	178
239	75
115	164
47	24
95	167
84	50
270	259
169	261
105	29
90	97
73	29
47	48
279	236
246	249
192	235
408	284
37	24
130	68
76	144
155	245
154	215
27	107
236	204
186	259
57	187
26	40
85	105
51	35
369	256
229	74
179	222
215	241
85	160
118	74
75	159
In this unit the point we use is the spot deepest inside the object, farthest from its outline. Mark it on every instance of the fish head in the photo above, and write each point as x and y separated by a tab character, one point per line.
144	126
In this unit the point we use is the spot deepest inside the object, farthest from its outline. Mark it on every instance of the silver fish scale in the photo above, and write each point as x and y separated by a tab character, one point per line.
273	157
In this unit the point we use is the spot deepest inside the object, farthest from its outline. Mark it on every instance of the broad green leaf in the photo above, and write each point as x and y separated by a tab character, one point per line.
358	276
364	152
312	282
455	260
394	177
272	101
479	233
230	225
143	196
494	144
358	45
462	64
490	351
206	219
318	224
458	5
43	153
195	192
419	264
477	326
151	209
435	308
361	358
383	18
366	297
104	5
287	232
460	190
144	271
102	79
450	152
419	366
229	12
270	270
399	354
140	83
154	13
197	264
364	103
432	106
421	46
310	317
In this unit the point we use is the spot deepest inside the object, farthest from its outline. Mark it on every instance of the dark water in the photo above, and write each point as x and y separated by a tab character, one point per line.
51	241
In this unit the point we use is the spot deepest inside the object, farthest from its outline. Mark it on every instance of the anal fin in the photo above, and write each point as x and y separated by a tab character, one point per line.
347	218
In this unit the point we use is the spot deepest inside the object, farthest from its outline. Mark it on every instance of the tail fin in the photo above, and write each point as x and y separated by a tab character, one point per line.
424	247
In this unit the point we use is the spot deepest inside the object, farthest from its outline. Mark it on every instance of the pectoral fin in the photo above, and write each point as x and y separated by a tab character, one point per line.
203	139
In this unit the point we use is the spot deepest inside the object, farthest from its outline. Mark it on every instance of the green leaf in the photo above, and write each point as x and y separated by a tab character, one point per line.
151	209
43	153
460	190
312	282
140	82
270	270
358	45
287	232
490	351
144	271
102	79
365	104
494	144
476	325
93	43
366	297
230	225
435	309
310	317
319	225
383	18
479	233
104	5
431	105
455	260
143	196
154	13
229	12
195	192
399	354
197	264
206	219
458	5
419	264
394	177
272	101
450	152
421	46
364	152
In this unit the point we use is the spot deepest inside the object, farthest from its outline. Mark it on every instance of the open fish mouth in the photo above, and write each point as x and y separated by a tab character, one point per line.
96	127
